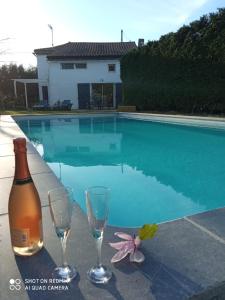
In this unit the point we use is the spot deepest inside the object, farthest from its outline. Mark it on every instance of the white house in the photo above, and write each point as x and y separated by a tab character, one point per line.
88	74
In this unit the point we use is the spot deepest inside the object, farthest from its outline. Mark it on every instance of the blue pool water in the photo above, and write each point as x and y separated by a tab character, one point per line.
157	172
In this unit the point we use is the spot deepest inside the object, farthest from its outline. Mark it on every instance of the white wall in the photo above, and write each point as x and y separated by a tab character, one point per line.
43	70
42	65
63	83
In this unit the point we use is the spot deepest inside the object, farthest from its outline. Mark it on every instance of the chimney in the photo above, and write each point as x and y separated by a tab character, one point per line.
141	42
121	35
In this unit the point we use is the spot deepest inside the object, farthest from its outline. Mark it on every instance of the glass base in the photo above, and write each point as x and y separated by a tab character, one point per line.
66	274
99	275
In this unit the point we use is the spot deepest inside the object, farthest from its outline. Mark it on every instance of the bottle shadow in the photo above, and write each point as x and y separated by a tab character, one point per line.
36	272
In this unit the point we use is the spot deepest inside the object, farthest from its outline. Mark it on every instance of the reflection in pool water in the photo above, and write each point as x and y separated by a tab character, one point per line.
157	172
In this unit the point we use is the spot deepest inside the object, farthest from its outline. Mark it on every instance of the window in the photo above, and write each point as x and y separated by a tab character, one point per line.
84	149
70	66
112	67
112	147
45	93
67	66
81	65
71	149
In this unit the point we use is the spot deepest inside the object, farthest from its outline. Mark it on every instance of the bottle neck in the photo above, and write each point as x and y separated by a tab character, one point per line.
22	173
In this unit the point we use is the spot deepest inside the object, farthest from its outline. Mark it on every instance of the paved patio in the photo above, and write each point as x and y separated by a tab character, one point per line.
186	260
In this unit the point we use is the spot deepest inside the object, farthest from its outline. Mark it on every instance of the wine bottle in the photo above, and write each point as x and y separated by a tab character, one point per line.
25	217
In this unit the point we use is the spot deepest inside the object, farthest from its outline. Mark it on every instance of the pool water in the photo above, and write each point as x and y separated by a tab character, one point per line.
156	172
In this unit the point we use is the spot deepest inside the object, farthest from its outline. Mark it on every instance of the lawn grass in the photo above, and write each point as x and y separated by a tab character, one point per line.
32	112
50	112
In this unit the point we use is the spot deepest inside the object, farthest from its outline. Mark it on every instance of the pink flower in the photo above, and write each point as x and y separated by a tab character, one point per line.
127	247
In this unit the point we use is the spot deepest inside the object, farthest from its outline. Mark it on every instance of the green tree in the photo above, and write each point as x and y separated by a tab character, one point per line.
12	71
182	71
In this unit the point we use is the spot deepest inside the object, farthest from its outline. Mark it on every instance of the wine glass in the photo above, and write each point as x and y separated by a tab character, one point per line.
97	199
60	202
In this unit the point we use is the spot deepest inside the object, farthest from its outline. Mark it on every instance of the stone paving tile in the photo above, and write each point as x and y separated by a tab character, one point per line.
5	187
4	139
81	252
186	120
11	131
213	220
6	119
36	165
6	149
9	269
7	166
177	265
43	182
182	261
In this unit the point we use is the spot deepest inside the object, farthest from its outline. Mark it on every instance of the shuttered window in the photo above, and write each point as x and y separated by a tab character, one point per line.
81	65
67	66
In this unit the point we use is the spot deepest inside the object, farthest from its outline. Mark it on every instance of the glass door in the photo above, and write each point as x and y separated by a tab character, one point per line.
102	95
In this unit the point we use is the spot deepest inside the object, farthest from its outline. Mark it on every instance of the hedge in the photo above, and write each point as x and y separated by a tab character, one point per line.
170	84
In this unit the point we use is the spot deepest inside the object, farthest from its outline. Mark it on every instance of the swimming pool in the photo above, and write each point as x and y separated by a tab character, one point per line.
156	171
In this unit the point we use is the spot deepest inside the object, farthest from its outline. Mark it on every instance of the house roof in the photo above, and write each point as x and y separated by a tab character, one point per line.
87	50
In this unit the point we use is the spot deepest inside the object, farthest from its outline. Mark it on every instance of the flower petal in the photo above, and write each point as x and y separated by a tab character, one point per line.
124	236
119	255
126	245
137	256
118	246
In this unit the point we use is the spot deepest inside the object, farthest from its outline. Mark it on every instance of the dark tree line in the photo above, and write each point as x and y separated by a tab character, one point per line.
182	71
12	71
201	39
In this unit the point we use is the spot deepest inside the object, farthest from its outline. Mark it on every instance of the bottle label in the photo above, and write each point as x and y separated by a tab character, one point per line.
23	181
20	237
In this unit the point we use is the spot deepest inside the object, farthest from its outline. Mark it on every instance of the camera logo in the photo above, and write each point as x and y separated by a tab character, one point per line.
14	284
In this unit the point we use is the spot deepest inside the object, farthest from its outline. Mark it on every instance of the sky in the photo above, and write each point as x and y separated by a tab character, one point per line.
24	23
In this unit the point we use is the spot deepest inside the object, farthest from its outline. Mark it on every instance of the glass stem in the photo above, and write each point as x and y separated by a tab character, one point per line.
63	243
99	251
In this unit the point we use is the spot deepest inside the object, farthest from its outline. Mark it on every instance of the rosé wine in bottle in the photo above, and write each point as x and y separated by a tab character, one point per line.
25	217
